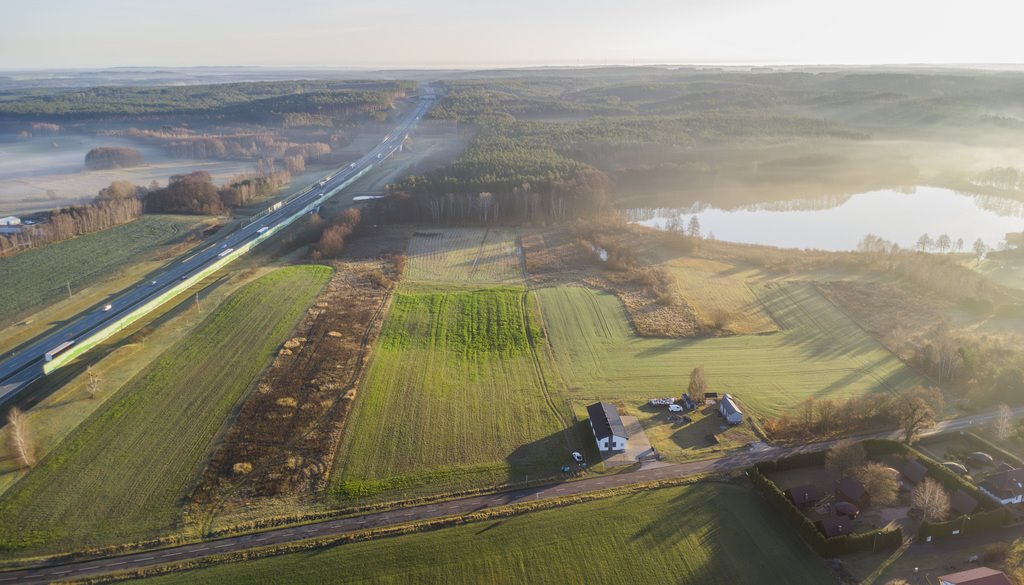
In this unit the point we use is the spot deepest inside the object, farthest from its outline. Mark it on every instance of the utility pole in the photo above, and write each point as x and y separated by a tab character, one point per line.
199	309
69	289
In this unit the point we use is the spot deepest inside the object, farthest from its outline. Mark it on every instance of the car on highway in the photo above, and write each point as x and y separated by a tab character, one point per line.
107	307
152	283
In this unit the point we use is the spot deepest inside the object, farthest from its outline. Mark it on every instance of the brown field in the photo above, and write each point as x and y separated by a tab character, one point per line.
289	429
720	295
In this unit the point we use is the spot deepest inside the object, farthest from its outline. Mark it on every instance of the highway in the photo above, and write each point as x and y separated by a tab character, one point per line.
20	369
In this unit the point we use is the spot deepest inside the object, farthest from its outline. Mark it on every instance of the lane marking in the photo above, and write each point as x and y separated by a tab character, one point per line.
170	555
223	545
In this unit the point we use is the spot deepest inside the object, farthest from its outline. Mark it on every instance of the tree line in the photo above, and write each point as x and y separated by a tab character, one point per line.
195	193
69	222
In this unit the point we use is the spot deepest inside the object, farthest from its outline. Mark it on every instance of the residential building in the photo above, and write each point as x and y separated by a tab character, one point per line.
978	576
609	432
732	413
1005	486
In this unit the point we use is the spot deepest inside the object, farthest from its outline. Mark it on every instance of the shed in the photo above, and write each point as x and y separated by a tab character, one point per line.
978	576
851	490
732	413
609	432
834	526
913	470
980	459
957	468
803	496
963	503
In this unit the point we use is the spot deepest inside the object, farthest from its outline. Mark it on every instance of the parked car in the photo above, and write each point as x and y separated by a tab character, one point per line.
577	457
675	408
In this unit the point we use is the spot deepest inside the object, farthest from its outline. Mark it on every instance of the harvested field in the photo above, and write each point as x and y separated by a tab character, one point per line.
288	430
721	296
672	535
455	397
157	431
819	352
465	256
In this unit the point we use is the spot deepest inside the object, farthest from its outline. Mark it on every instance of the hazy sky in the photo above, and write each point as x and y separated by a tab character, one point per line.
101	33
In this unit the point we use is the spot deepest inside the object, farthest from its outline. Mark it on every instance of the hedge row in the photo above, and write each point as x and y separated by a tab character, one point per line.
940	473
797	461
827	547
972	525
994	449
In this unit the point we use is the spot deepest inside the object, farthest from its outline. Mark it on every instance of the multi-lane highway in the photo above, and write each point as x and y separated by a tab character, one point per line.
28	364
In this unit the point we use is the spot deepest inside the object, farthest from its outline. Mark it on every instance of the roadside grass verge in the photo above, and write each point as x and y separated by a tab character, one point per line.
36	278
818	353
125	472
454	398
687	534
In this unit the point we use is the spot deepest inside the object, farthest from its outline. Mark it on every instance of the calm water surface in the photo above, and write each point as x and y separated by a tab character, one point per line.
840	223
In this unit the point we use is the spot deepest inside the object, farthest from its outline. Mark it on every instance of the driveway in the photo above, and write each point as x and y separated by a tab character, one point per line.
637	446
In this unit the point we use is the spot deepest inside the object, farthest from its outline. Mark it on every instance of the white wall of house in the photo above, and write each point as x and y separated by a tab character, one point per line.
617	443
1013	500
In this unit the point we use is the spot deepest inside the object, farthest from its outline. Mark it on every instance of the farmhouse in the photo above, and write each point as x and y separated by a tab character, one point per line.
731	412
609	432
979	576
1006	486
803	496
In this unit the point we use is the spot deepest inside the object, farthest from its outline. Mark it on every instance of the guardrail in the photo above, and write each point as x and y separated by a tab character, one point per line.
108	331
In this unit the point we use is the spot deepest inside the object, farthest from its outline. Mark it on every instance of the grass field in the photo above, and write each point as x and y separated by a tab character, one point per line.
465	256
124	473
711	534
819	353
42	275
453	398
719	292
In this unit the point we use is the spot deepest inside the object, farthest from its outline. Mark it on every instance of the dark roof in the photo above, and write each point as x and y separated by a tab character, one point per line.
963	503
913	470
851	490
979	576
847	509
834	526
605	419
803	495
729	405
1005	484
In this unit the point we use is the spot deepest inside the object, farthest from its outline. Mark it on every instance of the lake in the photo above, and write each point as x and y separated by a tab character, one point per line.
839	223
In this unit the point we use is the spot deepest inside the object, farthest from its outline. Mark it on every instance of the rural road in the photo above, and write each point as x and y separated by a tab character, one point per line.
649	473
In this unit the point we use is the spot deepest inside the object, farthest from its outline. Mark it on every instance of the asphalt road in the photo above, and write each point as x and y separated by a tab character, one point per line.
25	366
648	473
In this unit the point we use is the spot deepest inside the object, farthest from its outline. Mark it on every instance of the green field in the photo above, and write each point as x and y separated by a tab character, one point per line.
819	352
123	475
41	275
465	256
711	534
452	399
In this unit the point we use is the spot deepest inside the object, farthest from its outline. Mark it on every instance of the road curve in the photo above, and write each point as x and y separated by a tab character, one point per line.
737	460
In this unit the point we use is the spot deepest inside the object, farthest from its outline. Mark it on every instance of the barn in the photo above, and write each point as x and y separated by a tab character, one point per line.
609	432
731	412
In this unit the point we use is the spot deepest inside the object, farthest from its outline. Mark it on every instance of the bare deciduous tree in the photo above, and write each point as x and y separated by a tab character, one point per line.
932	499
879	482
943	243
92	384
1003	423
845	456
916	411
698	384
20	438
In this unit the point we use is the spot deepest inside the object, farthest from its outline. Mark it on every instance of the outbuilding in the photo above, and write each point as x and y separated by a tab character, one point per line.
609	432
803	496
732	413
851	490
978	576
913	470
834	526
963	503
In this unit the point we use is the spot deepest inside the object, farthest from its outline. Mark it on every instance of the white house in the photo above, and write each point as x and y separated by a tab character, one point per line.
10	220
609	432
1006	486
732	413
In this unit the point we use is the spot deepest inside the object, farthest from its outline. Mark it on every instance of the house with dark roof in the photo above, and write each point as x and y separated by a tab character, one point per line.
963	503
913	470
852	491
609	432
727	406
847	509
978	576
1005	486
834	526
803	496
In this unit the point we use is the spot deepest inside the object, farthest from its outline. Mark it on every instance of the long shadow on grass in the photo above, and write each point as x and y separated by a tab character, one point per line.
545	457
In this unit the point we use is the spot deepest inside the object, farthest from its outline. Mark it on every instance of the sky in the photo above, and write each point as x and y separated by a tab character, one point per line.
43	34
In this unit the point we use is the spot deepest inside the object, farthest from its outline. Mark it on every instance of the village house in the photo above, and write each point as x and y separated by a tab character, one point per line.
803	496
731	412
1006	486
609	432
978	576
